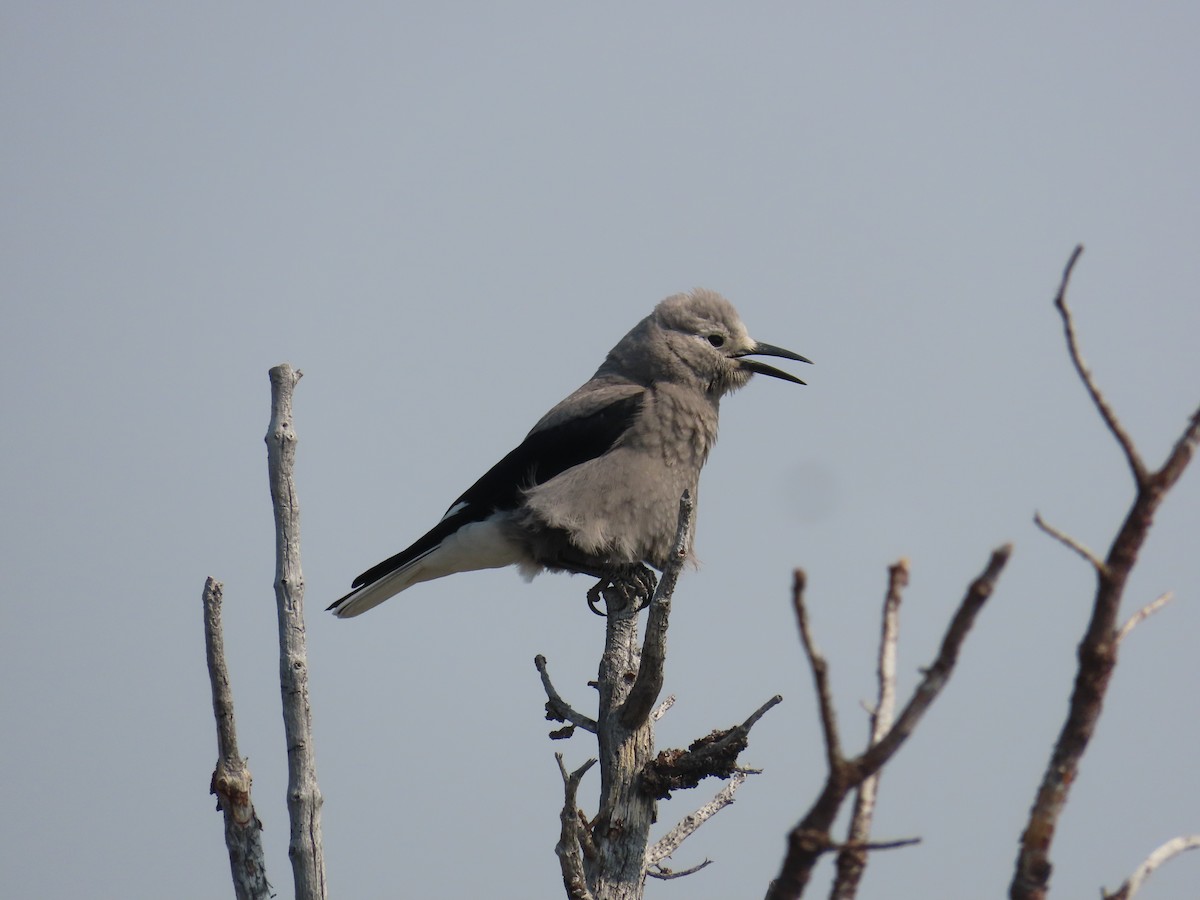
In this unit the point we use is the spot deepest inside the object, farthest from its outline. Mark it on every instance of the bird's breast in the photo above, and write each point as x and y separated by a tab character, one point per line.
677	426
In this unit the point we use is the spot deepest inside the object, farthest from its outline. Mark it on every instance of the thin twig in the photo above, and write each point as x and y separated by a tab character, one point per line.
661	709
852	859
231	777
938	673
558	709
897	844
1166	852
1110	419
1067	541
665	874
820	672
1144	613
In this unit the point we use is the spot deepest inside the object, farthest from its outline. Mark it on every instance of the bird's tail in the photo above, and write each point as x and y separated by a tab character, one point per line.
369	595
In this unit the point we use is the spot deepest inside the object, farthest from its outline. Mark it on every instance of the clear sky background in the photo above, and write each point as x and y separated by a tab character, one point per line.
445	215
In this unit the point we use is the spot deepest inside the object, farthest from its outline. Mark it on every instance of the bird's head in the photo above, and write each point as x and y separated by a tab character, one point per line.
697	336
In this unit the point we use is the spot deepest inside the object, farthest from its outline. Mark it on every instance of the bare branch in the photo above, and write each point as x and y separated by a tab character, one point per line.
570	841
938	673
1068	541
1181	454
897	844
810	838
665	874
1098	649
646	689
1144	613
303	794
1110	418
687	826
557	709
661	709
621	828
231	778
820	671
852	859
1166	852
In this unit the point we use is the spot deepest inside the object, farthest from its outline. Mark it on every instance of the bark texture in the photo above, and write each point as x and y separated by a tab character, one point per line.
304	796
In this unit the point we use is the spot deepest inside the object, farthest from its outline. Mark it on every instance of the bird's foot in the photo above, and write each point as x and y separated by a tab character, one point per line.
633	584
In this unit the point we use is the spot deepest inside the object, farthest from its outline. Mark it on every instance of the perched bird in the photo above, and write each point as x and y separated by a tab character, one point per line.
594	488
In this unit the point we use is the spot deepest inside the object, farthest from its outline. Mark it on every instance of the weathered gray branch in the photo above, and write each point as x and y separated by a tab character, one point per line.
1098	649
1162	854
558	709
648	686
573	839
1143	614
852	859
231	777
303	794
687	826
625	730
612	851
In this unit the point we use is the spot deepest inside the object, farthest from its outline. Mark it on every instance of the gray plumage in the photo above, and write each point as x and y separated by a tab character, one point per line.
595	486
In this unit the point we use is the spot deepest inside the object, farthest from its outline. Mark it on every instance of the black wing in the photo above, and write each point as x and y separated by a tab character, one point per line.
542	455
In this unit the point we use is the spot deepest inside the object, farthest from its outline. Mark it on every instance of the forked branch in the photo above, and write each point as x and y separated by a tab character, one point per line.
811	838
1098	648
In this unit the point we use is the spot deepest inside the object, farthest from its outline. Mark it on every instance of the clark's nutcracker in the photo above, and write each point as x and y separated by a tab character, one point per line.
594	488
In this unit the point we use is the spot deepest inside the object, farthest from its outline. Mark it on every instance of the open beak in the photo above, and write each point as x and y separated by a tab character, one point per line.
762	368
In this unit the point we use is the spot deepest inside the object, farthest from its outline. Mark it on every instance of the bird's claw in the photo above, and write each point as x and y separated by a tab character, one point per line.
635	584
594	595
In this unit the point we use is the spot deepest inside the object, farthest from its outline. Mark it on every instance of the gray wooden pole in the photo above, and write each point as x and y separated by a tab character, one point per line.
303	796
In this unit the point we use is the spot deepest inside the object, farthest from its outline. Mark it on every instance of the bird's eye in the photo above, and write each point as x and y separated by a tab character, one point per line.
716	340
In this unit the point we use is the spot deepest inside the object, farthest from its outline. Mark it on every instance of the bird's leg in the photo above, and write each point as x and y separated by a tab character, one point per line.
633	583
627	582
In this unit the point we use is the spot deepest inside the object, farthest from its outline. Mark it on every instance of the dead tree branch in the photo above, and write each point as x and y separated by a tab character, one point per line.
612	851
303	794
811	838
573	838
1098	648
715	754
558	709
1136	466
666	845
1071	543
625	730
1144	613
231	778
1166	852
664	874
648	685
852	859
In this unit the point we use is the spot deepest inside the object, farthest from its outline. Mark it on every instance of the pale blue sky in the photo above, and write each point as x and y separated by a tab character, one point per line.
445	215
